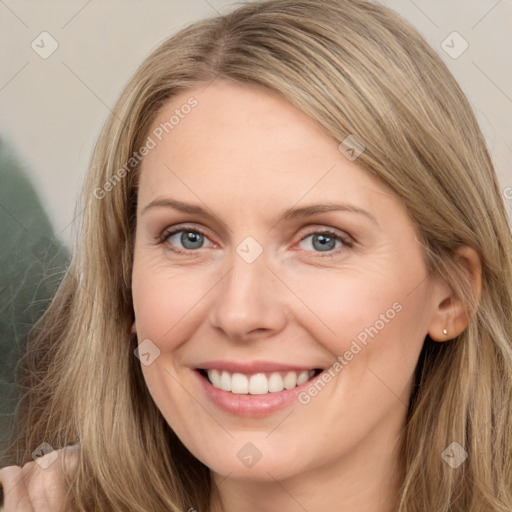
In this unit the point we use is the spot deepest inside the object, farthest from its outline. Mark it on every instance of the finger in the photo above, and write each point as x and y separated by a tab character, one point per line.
16	498
68	462
67	466
47	488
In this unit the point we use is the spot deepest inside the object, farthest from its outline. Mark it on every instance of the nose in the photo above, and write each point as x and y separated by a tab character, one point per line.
249	301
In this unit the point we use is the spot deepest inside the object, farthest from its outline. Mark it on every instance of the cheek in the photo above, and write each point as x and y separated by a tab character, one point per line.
366	314
167	302
340	305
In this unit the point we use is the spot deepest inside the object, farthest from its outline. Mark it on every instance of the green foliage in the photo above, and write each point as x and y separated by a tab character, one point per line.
32	264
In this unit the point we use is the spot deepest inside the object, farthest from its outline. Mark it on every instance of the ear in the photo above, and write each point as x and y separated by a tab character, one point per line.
452	313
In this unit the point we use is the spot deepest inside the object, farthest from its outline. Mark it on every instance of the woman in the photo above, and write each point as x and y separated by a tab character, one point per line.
292	288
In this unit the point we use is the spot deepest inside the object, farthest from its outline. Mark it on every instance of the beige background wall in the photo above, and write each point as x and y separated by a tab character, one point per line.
51	110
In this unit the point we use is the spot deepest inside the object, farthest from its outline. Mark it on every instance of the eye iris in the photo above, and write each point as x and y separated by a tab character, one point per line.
194	240
190	237
326	242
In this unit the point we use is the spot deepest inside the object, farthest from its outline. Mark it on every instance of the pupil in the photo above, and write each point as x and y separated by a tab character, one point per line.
191	240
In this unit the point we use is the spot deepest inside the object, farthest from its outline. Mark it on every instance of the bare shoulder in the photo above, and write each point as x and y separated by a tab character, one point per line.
40	484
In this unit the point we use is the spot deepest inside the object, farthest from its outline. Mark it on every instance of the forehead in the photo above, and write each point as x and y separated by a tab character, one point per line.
247	143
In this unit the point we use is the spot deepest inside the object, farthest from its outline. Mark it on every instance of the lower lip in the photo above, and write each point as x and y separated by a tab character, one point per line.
251	405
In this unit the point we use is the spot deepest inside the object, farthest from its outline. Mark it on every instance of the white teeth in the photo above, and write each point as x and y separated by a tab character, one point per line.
275	383
239	384
259	383
290	381
214	377
225	381
302	377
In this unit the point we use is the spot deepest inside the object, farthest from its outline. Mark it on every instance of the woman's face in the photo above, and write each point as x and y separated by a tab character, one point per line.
241	269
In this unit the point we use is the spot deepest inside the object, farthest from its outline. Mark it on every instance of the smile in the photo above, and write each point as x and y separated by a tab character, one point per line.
257	383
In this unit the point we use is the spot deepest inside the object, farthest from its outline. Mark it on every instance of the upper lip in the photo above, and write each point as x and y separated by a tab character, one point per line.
253	367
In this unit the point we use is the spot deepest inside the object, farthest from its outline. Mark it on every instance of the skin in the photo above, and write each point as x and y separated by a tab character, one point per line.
245	155
40	486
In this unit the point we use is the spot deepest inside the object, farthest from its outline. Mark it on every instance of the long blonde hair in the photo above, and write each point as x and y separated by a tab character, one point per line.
356	68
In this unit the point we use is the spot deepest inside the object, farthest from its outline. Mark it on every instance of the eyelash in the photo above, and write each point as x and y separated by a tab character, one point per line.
347	242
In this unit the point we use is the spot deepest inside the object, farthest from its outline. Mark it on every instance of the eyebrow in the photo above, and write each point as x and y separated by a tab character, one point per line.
288	214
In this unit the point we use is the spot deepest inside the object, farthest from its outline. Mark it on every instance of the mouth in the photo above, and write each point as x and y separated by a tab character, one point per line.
261	383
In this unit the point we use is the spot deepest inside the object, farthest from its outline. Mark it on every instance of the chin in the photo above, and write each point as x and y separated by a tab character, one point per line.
267	468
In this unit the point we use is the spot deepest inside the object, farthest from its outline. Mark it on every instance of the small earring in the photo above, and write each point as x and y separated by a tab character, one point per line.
445	332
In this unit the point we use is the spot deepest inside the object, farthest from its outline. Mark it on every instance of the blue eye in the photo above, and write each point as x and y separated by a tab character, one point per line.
325	241
191	239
